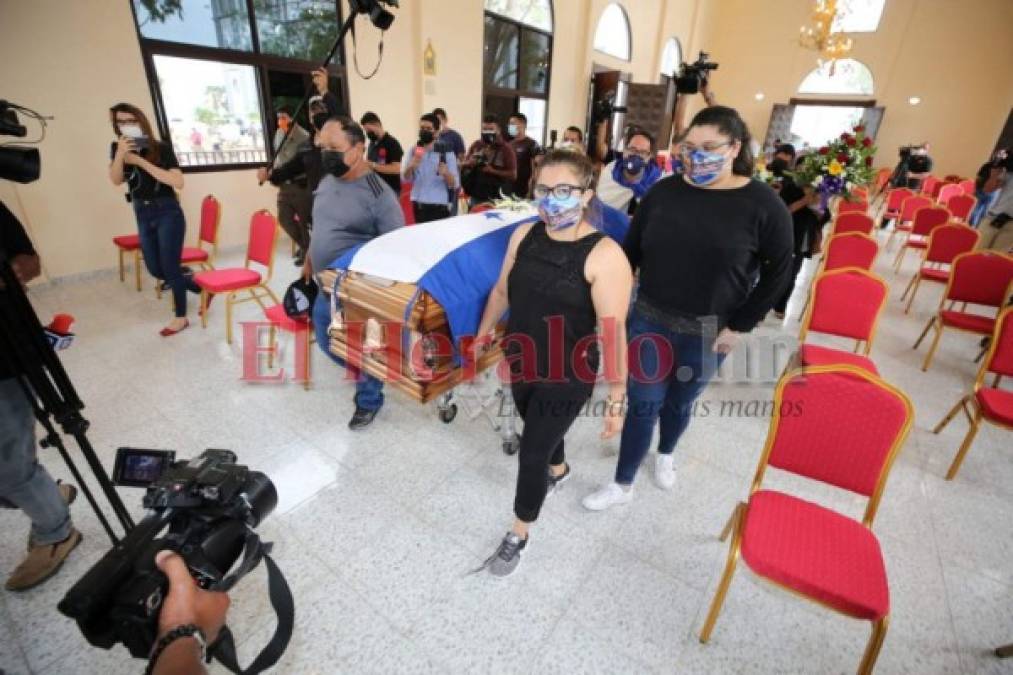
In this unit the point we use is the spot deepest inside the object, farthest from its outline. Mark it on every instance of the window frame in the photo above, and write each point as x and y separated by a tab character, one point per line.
518	93
629	34
261	63
853	94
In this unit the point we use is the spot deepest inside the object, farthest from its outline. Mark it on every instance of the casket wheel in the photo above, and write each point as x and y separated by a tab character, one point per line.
512	445
448	414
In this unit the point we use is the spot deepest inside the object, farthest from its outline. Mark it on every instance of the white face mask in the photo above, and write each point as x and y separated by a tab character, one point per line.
131	130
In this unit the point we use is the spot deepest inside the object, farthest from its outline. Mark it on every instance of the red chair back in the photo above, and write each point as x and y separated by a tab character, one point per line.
210	217
968	186
1000	356
851	249
861	193
896	197
929	185
853	222
882	178
937	188
846	302
948	241
911	205
263	233
980	278
961	205
839	425
948	190
927	219
859	206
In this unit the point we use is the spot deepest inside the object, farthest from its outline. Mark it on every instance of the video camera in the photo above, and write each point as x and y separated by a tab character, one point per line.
210	506
693	75
605	108
380	17
17	163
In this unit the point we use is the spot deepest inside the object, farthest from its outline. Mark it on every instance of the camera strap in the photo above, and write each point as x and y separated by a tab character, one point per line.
224	649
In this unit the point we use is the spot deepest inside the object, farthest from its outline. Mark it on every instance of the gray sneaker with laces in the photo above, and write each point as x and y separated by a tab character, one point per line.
507	556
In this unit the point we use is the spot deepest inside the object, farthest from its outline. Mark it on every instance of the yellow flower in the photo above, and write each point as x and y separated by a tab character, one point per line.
835	168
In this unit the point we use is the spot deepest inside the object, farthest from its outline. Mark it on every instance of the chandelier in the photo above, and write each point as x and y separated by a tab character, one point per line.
820	36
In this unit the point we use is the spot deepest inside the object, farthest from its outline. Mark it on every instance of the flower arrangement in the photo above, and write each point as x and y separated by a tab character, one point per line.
839	166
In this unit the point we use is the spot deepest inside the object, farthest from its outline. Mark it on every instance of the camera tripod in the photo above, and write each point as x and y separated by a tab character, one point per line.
28	355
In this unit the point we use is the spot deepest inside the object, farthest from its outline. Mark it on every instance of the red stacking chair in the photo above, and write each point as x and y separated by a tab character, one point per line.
849	427
846	302
992	404
894	199
259	249
979	278
852	221
860	193
880	182
938	187
210	219
929	185
302	332
130	243
968	186
907	214
960	206
850	249
856	206
925	220
948	190
945	243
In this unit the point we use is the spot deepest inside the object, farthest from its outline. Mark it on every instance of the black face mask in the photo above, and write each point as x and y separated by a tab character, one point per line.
318	120
426	136
371	135
489	137
778	166
333	162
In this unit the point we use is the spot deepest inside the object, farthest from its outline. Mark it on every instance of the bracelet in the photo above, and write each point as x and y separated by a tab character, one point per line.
188	630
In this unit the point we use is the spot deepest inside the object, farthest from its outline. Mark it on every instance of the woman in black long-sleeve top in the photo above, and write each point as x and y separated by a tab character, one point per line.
713	248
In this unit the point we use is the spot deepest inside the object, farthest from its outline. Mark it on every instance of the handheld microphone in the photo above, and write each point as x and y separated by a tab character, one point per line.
58	332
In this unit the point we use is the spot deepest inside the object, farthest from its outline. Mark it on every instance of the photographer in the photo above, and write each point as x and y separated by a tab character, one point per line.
432	168
919	166
294	198
625	180
490	170
24	483
187	610
150	170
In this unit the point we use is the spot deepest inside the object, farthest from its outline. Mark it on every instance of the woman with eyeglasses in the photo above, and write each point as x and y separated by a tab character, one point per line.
713	248
561	279
149	168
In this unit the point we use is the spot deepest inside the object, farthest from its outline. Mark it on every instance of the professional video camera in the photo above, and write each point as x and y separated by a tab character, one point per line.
605	108
210	506
18	163
380	17
692	75
905	151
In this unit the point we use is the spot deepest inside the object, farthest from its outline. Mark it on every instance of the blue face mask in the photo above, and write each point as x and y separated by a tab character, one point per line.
559	214
633	164
704	167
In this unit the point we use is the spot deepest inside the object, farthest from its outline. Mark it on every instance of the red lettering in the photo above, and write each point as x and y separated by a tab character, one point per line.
527	358
252	351
581	370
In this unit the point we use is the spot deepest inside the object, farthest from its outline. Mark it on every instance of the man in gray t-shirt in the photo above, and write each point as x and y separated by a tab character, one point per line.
351	206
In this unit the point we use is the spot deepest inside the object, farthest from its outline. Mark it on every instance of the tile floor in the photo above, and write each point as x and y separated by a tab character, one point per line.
377	531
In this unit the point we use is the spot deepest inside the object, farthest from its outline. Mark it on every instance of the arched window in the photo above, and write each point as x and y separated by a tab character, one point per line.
671	57
517	61
858	16
848	76
612	36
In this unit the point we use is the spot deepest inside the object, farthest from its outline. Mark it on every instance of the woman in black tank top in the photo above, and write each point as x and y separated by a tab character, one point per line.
561	280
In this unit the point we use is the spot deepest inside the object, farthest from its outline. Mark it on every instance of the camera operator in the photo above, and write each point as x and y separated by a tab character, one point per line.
625	180
432	169
24	483
294	198
187	611
491	166
149	168
919	166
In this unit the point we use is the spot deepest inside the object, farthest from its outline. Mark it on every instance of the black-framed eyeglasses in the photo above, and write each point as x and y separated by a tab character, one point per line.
561	191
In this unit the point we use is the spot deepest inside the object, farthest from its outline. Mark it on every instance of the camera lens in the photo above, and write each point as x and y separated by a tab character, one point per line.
262	496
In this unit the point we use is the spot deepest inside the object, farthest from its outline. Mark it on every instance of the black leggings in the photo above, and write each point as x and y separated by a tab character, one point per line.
548	411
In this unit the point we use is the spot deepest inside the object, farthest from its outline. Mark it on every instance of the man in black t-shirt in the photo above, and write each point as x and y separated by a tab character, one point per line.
525	148
384	153
804	221
24	483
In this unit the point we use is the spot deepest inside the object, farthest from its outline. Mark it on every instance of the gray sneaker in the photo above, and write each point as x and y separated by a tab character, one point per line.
507	556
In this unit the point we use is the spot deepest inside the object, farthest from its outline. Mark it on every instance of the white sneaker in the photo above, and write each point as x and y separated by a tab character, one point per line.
611	494
664	472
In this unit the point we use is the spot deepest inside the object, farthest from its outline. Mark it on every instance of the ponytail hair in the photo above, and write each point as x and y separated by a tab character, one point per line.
729	123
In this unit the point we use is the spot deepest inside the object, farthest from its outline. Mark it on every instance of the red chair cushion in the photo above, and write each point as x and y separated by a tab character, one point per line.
277	316
972	322
128	242
917	242
817	552
935	274
812	355
193	254
997	404
219	281
904	227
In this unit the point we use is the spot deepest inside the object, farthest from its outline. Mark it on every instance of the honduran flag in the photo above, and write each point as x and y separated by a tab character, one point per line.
456	260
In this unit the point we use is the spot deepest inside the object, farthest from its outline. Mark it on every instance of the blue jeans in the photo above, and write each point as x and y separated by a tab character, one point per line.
161	226
24	483
981	208
668	396
368	389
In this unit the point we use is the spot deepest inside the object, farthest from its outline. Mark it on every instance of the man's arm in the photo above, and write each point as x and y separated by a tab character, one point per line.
18	247
776	239
388	213
292	168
